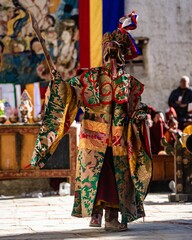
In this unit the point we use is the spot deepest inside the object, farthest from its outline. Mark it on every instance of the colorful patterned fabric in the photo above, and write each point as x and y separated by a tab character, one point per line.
113	116
60	112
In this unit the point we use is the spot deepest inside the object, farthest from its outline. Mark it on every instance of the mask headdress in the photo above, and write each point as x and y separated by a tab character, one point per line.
126	24
121	40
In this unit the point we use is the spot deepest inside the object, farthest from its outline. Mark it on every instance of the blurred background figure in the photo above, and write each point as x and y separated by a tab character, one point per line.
157	132
179	100
151	111
172	130
170	113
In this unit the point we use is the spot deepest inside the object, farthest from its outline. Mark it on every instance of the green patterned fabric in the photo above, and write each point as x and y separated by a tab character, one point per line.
61	103
113	116
121	108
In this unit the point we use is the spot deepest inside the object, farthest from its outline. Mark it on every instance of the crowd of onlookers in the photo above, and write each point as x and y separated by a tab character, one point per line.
177	119
162	126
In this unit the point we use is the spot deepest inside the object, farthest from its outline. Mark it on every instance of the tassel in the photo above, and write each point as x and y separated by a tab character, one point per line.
29	165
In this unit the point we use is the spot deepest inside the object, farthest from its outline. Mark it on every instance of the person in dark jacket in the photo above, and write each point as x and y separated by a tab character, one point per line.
179	100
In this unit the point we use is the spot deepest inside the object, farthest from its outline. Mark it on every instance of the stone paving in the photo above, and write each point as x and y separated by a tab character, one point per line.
50	218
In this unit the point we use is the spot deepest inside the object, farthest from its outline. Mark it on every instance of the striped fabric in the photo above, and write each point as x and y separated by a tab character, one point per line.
95	18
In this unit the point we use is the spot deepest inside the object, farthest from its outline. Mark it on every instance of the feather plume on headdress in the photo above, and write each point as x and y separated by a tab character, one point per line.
126	24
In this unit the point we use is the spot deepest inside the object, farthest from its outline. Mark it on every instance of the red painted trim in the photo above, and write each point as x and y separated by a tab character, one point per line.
83	91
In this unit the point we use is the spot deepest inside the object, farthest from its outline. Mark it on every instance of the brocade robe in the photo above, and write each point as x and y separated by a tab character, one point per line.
113	116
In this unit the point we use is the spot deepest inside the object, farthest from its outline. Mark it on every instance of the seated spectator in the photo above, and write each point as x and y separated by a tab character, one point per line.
157	132
172	130
151	111
170	114
149	120
179	100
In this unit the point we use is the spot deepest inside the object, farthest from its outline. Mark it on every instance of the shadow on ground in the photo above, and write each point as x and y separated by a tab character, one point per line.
177	230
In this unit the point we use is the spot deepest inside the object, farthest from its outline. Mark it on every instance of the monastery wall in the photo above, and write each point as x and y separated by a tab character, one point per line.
168	26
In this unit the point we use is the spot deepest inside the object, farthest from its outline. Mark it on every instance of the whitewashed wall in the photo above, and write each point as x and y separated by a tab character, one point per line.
168	25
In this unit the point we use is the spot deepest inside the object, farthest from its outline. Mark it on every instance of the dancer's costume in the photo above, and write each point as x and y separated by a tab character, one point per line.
114	165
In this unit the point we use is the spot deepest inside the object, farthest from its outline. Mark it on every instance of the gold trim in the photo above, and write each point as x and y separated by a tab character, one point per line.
61	130
119	150
96	126
117	130
92	144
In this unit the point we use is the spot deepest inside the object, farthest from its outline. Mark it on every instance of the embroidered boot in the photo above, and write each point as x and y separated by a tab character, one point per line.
111	221
96	218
